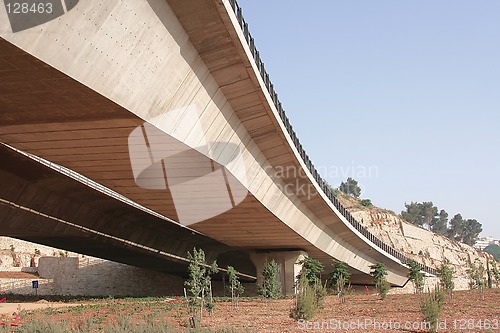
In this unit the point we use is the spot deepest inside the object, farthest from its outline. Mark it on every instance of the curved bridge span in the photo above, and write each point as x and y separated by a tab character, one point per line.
168	103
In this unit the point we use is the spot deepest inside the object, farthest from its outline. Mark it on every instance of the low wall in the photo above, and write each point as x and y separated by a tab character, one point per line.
73	276
96	277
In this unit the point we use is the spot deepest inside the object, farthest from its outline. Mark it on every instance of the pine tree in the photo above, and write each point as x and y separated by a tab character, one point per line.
199	283
339	277
304	300
350	187
416	275
446	276
379	273
312	268
271	286
235	287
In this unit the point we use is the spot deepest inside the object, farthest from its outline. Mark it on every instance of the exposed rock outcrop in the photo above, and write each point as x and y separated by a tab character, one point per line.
417	243
18	253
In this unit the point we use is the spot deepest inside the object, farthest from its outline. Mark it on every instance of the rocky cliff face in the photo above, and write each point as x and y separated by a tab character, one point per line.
417	243
18	253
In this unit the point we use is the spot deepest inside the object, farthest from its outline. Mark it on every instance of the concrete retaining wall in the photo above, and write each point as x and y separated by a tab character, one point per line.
96	277
78	275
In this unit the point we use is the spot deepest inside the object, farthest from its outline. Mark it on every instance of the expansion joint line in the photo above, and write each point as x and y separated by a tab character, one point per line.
98	233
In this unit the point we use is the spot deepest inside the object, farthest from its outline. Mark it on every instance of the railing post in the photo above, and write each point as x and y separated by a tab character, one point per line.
245	32
240	17
322	184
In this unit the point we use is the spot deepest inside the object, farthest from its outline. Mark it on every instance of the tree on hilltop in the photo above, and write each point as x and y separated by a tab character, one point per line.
472	229
456	227
421	214
440	227
350	187
494	250
465	231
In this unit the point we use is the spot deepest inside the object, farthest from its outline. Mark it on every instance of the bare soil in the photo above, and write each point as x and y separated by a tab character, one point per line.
17	275
466	312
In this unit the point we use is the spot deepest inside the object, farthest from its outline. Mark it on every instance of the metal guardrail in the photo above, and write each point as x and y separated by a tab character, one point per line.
307	161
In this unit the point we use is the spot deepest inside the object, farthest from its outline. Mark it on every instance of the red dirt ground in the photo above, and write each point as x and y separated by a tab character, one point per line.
466	312
17	275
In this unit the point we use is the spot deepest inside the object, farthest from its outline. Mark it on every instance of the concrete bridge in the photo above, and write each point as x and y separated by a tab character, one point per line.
168	103
49	205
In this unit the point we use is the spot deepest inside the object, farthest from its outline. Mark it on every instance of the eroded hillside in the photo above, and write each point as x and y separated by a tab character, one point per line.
417	243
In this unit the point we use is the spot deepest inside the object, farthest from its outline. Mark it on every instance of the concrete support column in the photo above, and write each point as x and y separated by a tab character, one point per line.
289	267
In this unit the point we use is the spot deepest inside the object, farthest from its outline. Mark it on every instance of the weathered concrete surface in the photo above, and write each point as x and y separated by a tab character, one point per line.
78	275
97	277
27	183
289	263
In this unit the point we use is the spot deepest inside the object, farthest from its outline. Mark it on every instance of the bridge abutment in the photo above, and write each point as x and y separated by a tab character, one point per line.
289	267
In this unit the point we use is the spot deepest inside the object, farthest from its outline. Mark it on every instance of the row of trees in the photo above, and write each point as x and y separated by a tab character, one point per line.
310	291
425	214
199	286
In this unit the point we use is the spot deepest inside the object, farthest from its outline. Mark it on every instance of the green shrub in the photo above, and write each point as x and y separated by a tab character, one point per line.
338	278
477	279
271	286
383	289
199	285
304	301
312	268
122	325
446	276
335	191
320	293
366	203
495	272
416	275
432	307
235	287
378	273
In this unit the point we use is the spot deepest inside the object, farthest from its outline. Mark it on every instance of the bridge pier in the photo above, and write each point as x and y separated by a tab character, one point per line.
289	267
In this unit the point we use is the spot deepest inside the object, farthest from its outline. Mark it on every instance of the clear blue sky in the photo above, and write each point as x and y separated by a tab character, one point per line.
409	88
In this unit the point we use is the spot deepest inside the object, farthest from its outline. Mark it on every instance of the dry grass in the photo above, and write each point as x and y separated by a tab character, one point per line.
256	315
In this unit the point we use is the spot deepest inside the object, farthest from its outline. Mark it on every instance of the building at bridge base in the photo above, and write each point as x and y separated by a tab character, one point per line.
289	262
